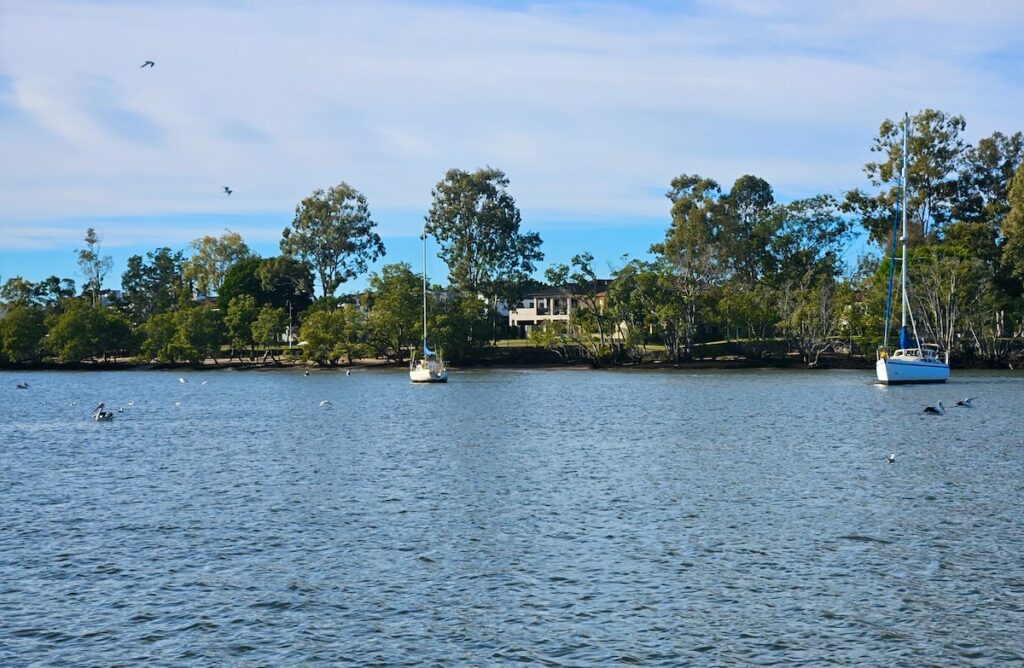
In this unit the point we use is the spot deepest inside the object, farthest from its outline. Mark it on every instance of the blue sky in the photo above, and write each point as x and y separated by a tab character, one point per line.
591	108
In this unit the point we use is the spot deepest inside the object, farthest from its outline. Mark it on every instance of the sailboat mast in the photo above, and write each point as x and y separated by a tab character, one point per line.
904	305
424	237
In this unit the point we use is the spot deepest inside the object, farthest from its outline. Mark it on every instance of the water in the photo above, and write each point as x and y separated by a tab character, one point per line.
542	517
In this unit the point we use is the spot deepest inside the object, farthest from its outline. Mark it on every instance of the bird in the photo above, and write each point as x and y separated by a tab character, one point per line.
101	415
935	410
326	403
306	372
966	402
148	63
348	372
131	403
204	382
182	380
177	403
22	386
891	459
228	191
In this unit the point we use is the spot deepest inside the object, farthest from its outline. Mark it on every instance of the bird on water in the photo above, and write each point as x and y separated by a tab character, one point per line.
966	402
935	410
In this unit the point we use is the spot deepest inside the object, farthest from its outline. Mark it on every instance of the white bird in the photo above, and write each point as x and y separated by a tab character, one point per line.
891	459
204	382
131	403
348	372
182	380
306	372
966	402
935	410
326	403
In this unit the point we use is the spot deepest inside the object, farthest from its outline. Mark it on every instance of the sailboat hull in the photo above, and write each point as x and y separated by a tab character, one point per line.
904	372
428	371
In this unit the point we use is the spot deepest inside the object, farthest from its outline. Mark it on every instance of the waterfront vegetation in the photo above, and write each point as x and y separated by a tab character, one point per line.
766	281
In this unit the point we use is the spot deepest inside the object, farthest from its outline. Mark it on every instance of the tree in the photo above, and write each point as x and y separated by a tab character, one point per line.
985	175
212	258
694	246
809	239
269	324
154	284
333	233
1013	227
94	265
748	227
83	331
395	310
934	152
278	281
477	225
21	332
239	320
197	335
591	327
321	332
159	333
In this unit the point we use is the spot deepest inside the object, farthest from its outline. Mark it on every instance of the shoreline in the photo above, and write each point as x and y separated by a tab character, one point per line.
830	363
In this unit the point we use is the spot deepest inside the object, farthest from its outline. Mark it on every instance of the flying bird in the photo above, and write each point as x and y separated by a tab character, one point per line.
228	191
966	402
935	410
148	63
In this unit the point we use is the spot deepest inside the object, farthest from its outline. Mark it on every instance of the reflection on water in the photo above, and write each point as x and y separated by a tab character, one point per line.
554	517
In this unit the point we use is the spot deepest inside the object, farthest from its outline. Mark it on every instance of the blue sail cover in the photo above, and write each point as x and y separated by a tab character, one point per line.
427	352
906	340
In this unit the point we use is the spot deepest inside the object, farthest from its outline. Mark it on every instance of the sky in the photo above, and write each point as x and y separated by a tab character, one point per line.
590	109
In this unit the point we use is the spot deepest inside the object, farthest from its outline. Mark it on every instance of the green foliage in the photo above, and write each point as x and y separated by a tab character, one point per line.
333	233
159	332
462	327
94	265
270	323
477	225
83	331
21	334
152	285
211	260
1013	227
394	319
238	321
321	333
47	293
188	335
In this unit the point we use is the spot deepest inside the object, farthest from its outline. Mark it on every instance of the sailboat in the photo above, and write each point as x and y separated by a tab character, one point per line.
912	361
429	368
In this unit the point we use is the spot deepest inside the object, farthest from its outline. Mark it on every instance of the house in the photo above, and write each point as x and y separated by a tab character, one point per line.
552	304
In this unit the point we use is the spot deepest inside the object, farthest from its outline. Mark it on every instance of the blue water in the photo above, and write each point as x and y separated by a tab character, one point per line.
567	517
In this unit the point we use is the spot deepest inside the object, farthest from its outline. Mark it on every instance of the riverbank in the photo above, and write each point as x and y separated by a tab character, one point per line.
533	358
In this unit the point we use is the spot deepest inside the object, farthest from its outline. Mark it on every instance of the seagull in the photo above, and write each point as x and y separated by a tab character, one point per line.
348	372
306	372
177	403
326	403
182	380
935	410
891	459
228	191
966	402
131	403
204	382
148	63
22	386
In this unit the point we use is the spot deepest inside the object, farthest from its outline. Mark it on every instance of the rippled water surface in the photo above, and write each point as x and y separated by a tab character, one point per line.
543	517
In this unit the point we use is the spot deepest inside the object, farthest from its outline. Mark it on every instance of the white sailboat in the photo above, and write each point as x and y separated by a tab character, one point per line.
429	368
912	361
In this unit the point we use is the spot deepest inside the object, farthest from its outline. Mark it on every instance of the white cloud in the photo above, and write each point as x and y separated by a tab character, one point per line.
590	110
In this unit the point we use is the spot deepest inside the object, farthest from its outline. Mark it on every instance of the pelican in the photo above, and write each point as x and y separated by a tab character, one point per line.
935	410
22	386
966	402
101	415
326	403
182	380
891	459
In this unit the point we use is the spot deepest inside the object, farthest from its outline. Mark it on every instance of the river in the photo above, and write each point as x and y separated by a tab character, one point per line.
547	517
